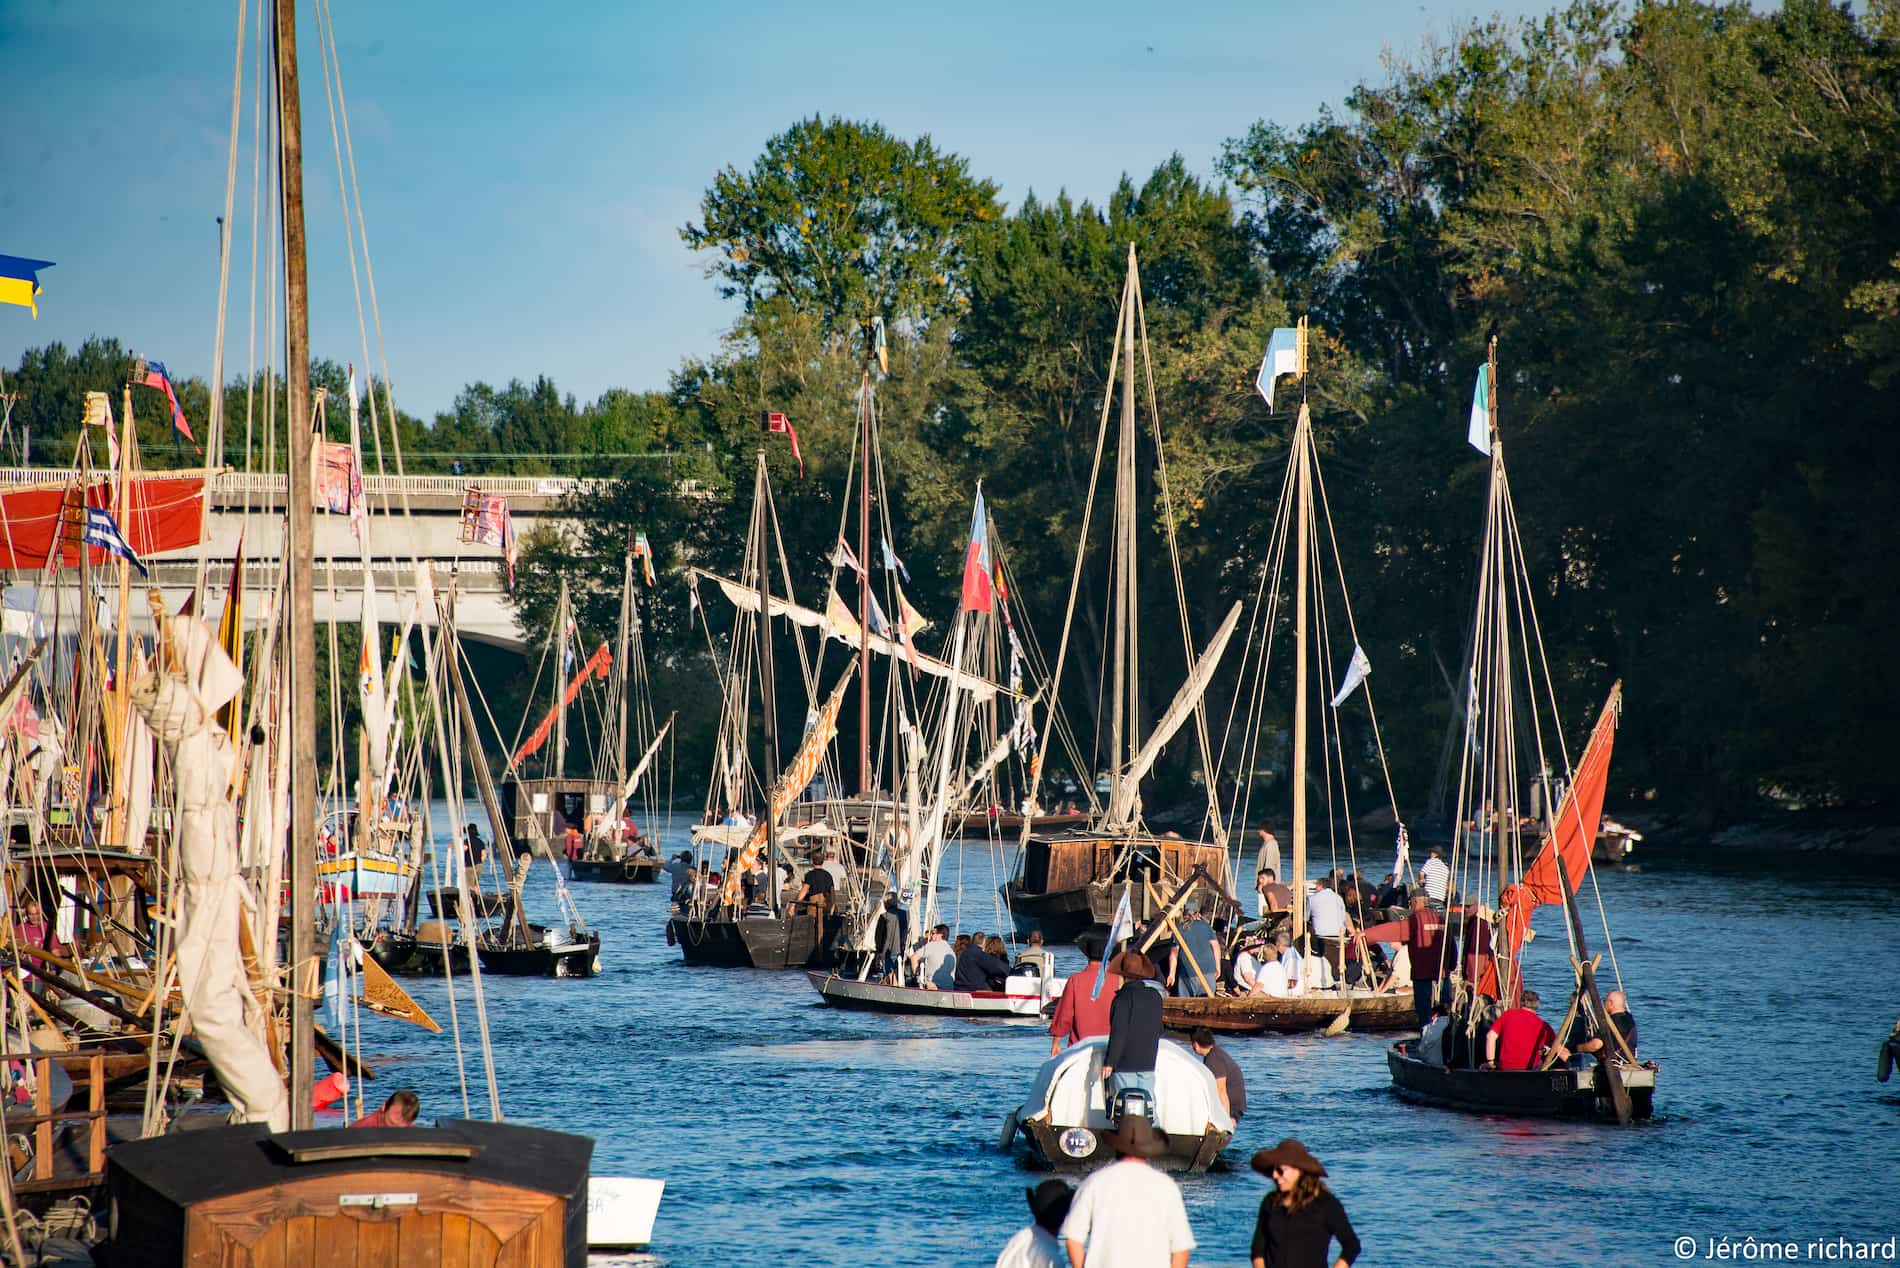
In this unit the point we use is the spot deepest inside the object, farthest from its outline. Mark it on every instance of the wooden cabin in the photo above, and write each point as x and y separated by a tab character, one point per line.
463	1192
555	803
1066	880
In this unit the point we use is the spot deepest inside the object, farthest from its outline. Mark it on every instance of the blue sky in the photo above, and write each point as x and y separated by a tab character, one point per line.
525	169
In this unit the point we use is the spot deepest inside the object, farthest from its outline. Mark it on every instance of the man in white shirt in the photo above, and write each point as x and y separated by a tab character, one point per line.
934	963
1246	969
1037	1245
1436	878
1326	917
1292	971
1129	1215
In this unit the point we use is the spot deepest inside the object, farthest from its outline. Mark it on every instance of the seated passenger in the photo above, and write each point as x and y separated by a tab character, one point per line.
1584	1042
1520	1038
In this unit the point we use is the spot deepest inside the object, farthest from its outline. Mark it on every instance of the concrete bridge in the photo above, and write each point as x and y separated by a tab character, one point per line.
413	518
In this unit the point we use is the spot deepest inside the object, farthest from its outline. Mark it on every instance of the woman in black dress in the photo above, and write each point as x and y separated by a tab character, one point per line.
1300	1217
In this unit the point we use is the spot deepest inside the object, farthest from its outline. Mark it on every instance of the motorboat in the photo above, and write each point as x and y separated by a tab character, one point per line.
1066	1116
1024	994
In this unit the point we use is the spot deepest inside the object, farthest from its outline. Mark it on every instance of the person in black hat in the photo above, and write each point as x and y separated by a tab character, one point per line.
1038	1246
1300	1217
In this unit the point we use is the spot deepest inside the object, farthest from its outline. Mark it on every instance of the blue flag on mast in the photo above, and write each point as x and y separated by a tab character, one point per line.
103	531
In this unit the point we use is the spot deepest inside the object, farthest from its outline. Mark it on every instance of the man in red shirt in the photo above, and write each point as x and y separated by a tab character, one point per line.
1519	1038
1077	1016
398	1111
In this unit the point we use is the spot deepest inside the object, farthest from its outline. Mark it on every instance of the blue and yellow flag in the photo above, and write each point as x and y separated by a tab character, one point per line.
19	283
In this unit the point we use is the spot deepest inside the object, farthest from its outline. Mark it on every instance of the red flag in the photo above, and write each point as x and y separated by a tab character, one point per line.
779	424
976	562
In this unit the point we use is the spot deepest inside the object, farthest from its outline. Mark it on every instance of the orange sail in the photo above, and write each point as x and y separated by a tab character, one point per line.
793	779
1577	820
599	663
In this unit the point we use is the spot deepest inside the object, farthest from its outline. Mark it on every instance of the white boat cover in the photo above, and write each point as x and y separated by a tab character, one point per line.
1069	1091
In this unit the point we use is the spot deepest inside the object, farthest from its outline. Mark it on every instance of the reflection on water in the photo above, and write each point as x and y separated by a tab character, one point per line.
785	1129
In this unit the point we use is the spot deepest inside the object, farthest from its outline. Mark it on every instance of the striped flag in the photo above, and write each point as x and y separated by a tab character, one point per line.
103	531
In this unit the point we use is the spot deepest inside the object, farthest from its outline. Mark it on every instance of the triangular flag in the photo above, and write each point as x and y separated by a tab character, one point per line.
1122	926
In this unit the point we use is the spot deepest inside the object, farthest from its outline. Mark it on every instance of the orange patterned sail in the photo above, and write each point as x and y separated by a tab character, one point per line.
793	779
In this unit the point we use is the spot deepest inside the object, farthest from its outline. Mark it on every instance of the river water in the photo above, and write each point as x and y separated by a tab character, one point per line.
790	1132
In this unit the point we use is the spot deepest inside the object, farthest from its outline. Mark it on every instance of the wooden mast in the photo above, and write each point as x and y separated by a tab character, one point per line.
626	679
1303	504
864	581
122	676
303	634
559	770
1121	547
768	700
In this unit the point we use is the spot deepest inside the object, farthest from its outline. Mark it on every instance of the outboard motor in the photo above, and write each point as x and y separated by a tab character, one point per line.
1133	1100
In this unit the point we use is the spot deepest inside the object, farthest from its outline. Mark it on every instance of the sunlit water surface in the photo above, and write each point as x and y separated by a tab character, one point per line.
791	1132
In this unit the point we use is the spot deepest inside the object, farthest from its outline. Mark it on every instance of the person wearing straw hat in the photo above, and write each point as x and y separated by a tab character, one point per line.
1300	1217
1128	1214
1134	1027
1038	1246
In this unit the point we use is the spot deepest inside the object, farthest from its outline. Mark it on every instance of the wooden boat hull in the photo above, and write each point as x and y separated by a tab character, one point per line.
1255	1014
564	958
641	870
760	942
1062	916
1011	821
1556	1093
444	902
880	997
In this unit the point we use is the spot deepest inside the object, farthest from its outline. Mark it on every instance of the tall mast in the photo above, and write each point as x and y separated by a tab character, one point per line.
560	685
1503	793
626	679
303	633
1303	518
122	675
864	580
768	699
1121	546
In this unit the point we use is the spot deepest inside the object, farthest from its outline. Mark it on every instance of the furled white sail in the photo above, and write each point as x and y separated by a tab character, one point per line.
180	708
1121	806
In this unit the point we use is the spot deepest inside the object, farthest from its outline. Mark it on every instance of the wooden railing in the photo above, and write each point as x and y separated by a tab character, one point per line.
44	1117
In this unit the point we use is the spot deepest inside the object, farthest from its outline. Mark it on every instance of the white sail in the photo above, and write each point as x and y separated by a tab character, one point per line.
1121	806
180	710
747	598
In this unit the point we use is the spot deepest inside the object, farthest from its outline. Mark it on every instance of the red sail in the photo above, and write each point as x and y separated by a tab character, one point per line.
167	512
1577	821
599	663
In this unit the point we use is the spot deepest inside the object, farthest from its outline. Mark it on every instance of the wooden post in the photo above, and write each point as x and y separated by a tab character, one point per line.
119	807
302	652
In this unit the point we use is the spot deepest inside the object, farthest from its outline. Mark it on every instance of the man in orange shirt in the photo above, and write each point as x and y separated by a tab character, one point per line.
1520	1038
1078	1016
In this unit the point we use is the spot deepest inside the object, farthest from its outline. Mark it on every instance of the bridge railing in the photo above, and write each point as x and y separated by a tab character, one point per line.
240	482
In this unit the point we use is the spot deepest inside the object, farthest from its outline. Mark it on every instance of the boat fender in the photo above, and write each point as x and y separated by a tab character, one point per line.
1008	1138
672	939
1885	1070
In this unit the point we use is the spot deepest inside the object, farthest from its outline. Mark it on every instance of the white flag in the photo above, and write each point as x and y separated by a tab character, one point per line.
1283	357
1119	928
1402	856
1478	432
1355	674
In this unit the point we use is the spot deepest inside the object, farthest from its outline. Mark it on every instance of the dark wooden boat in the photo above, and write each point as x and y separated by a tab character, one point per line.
461	1192
545	954
1063	881
750	942
1318	1010
552	804
445	902
1012	821
635	869
1559	1092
